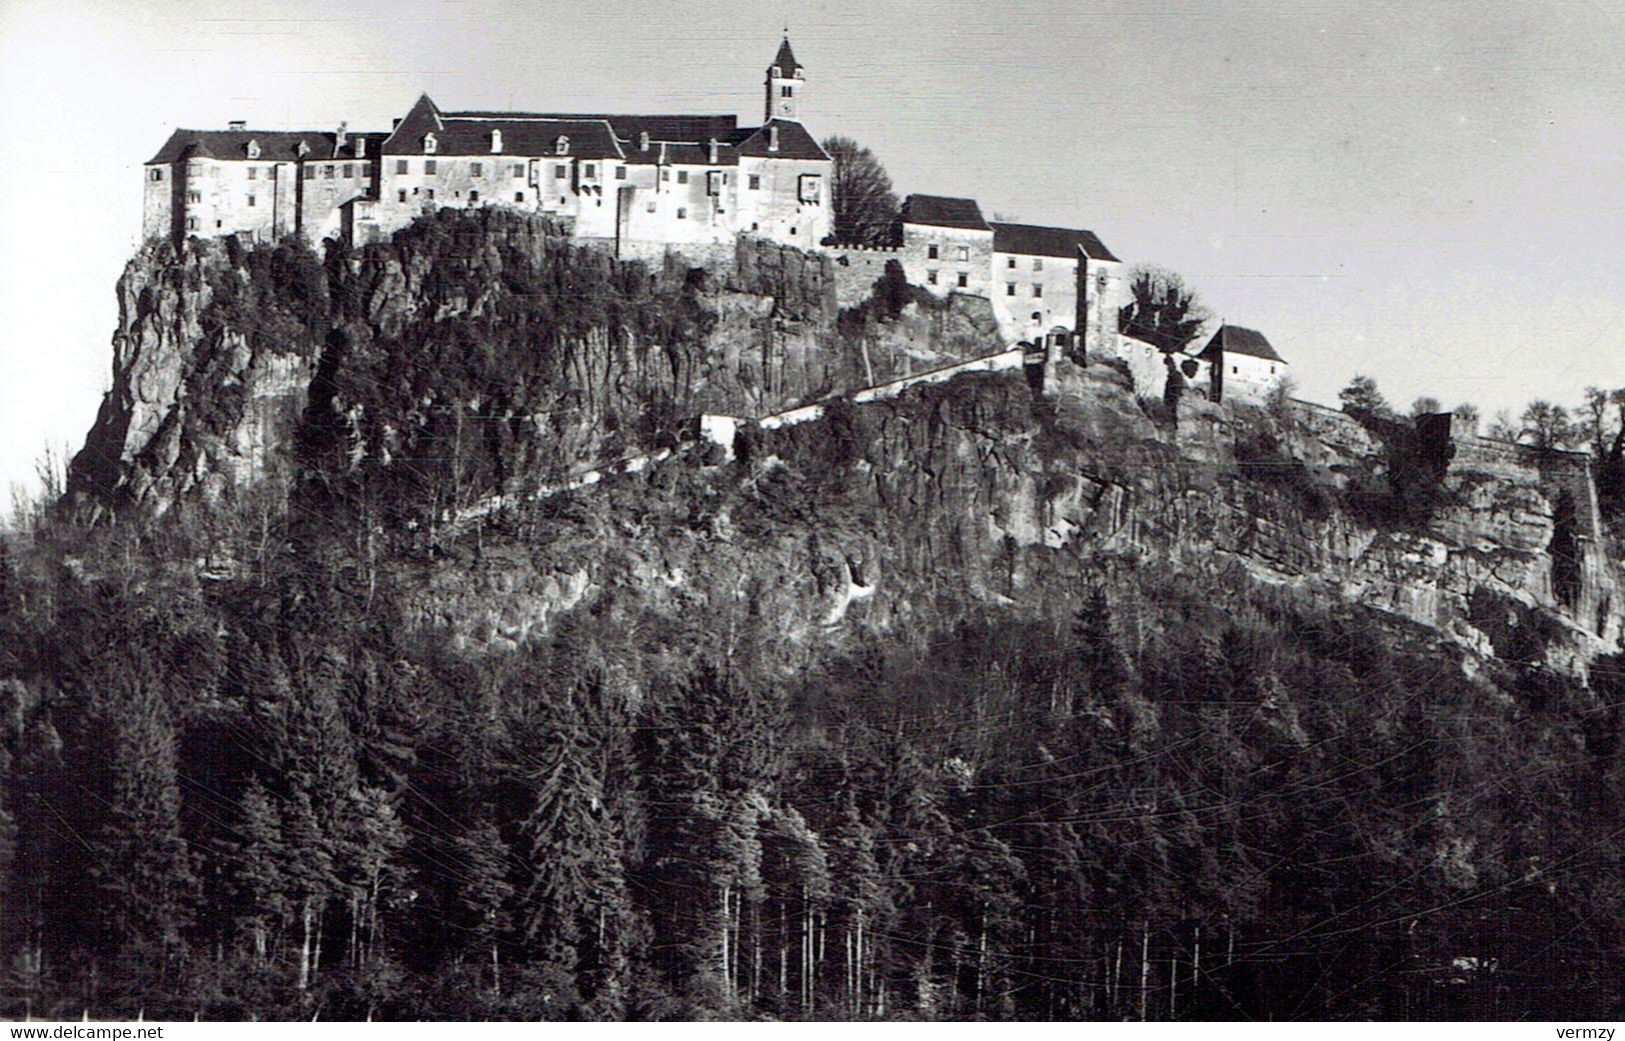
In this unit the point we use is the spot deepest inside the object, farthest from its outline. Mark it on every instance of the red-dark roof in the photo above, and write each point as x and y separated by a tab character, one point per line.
1037	240
785	60
680	127
943	212
1237	339
276	146
794	142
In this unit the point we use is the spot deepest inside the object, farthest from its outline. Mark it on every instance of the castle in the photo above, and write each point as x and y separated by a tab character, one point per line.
645	185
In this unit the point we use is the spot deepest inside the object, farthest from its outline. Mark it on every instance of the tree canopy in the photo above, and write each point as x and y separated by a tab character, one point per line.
1164	311
865	206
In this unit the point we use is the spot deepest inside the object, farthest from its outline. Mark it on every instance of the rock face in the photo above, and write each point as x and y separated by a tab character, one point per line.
482	354
200	402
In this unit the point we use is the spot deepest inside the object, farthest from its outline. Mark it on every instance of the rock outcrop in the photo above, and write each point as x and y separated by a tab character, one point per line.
481	355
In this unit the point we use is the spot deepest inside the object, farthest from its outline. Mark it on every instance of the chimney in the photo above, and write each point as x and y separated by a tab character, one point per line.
360	147
238	124
714	147
662	153
643	141
773	138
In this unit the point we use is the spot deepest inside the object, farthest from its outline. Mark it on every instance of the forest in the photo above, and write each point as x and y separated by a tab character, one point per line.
269	799
266	783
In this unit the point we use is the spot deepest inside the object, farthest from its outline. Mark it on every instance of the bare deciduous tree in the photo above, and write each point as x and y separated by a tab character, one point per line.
861	193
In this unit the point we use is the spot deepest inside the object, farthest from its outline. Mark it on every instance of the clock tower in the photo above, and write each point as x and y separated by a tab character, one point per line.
784	85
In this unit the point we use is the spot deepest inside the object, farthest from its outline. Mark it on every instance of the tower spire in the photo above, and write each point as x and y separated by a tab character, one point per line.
784	83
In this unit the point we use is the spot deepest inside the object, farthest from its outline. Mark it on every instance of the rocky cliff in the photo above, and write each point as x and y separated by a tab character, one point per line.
484	354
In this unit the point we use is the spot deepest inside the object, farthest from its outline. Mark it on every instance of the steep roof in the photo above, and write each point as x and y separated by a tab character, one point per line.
785	60
678	127
794	141
1037	240
1238	339
276	146
943	212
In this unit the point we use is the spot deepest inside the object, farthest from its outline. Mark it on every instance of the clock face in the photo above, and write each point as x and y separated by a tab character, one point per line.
784	106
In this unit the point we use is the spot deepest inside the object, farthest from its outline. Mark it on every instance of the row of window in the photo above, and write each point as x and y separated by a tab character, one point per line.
933	252
931	278
1038	263
1010	289
428	193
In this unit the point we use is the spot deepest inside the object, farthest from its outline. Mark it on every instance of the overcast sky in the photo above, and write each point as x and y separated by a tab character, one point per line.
1430	193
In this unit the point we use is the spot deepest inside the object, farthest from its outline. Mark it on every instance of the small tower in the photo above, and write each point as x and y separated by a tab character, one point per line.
784	85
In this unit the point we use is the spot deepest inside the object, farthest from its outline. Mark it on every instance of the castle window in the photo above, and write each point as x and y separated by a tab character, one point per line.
253	172
682	176
310	173
401	195
430	145
1272	370
620	173
476	169
931	278
787	91
809	188
1009	289
191	224
428	193
327	172
157	175
561	171
931	251
1010	262
473	196
665	175
1038	263
792	229
964	280
589	171
496	140
964	252
1038	290
682	213
713	182
430	166
519	169
349	171
561	146
755	182
651	206
518	196
250	200
194	197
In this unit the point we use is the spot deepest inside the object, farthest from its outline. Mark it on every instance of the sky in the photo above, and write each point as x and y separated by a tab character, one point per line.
1429	193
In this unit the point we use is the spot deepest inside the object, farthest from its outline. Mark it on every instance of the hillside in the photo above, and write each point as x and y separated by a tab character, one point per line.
974	702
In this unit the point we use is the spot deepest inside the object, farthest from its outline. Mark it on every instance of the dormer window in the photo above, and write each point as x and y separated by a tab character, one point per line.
496	140
561	146
253	149
776	73
430	144
303	150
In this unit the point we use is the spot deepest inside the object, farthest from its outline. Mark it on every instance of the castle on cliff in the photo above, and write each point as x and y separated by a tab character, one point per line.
645	185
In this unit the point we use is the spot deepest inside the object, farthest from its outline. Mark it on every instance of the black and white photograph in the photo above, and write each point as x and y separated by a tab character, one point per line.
893	513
